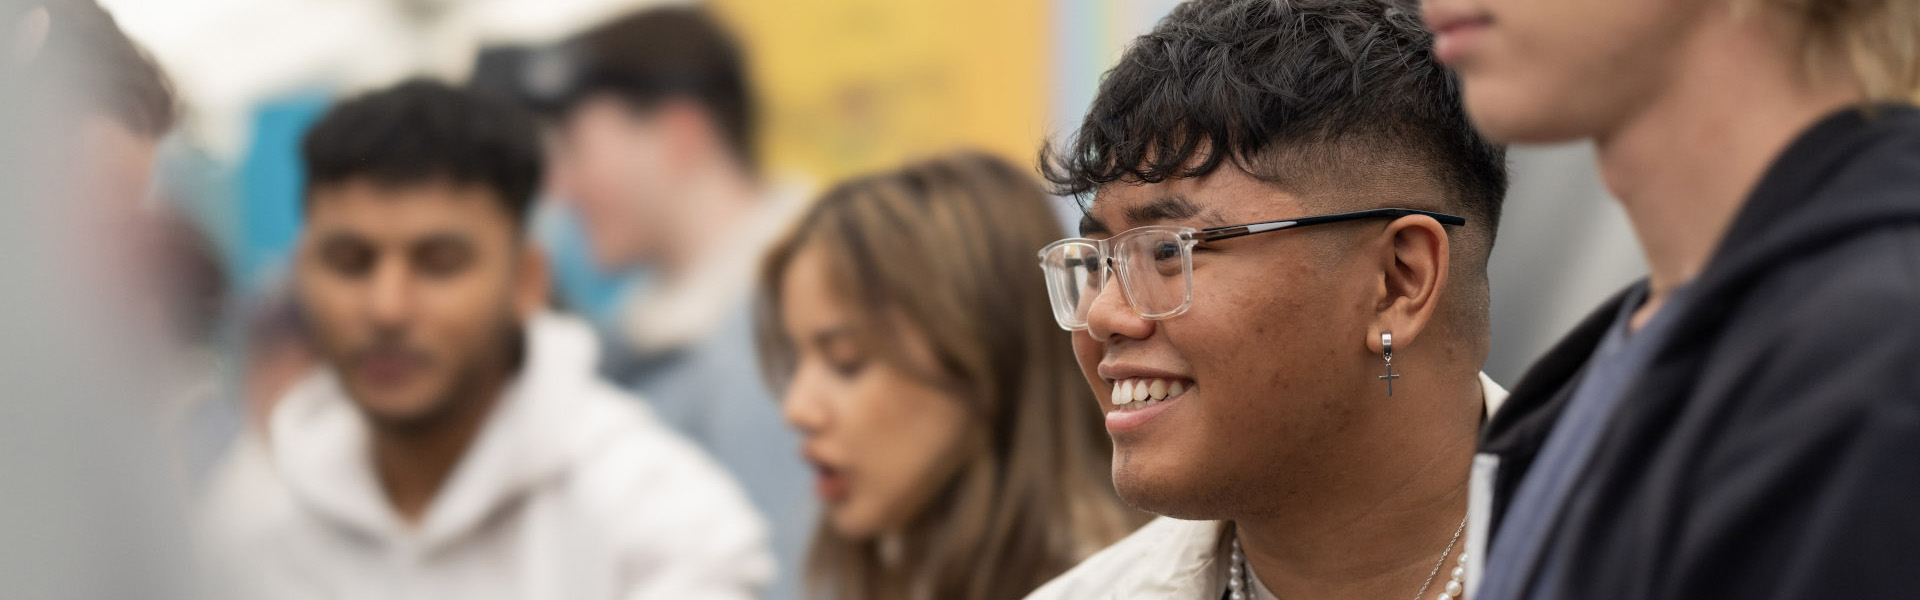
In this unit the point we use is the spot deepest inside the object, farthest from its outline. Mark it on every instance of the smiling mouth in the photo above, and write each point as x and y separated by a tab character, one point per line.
1141	392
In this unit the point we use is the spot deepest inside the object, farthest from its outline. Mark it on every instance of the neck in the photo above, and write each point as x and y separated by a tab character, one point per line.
1684	163
1376	528
718	196
414	461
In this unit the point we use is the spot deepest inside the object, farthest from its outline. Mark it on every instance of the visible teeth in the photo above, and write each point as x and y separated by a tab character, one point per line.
1134	394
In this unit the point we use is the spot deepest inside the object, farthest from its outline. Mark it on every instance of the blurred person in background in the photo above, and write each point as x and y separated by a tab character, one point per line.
458	443
654	144
279	353
1281	303
1743	422
956	453
87	506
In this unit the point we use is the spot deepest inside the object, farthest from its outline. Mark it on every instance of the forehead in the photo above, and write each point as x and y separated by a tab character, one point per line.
387	211
1226	196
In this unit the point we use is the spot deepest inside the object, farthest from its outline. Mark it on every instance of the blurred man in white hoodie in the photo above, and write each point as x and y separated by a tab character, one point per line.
458	443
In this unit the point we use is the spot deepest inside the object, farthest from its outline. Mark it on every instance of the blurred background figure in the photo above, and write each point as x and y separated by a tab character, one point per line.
955	448
86	507
279	350
654	142
458	443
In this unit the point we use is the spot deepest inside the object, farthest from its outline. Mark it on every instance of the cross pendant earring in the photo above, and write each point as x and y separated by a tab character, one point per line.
1386	351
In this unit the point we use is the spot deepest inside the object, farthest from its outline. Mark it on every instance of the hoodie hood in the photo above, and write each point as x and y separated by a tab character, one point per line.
1844	161
321	444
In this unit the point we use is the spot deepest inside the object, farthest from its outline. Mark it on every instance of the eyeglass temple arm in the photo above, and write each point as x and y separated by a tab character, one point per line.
1234	231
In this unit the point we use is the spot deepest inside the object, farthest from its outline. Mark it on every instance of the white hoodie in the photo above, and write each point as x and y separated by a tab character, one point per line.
572	490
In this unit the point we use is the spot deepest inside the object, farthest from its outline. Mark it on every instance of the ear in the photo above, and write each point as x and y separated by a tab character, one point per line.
687	129
1413	279
534	284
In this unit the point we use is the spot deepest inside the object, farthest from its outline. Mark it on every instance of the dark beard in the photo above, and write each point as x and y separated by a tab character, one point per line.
477	381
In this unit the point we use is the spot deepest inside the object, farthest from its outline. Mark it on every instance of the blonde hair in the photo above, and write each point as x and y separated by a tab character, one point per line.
1879	40
948	246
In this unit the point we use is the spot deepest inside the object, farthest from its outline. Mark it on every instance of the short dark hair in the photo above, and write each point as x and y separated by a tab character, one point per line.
667	53
106	70
1319	82
423	131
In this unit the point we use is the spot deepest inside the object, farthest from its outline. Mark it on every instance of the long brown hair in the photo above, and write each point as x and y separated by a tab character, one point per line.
949	245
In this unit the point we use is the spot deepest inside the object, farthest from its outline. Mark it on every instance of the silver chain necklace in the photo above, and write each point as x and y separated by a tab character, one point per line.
1240	576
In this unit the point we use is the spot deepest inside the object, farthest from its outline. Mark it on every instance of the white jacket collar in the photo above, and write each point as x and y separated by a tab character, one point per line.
320	442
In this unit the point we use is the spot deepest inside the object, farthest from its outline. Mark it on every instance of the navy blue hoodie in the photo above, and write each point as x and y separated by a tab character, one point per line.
1772	448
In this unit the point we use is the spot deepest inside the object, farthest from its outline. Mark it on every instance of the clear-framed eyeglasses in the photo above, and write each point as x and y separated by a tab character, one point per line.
1155	263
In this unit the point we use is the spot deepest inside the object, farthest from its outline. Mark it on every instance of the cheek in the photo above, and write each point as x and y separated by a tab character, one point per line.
329	305
1257	344
1553	72
908	436
1088	353
462	315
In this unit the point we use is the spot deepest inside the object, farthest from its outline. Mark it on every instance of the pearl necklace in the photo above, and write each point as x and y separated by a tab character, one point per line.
1240	576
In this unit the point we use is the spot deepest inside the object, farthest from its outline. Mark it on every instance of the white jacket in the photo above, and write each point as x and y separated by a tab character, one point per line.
1169	559
572	490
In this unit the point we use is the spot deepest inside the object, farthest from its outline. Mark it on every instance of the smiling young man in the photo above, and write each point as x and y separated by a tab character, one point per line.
458	444
1281	302
1743	423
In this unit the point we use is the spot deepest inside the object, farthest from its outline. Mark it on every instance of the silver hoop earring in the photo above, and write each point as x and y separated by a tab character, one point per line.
1386	351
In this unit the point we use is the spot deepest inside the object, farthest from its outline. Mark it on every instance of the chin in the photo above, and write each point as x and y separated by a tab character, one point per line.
1511	112
397	411
848	523
1164	492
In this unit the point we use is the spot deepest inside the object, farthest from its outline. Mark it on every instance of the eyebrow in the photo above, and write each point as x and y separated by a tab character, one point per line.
443	237
1174	207
1166	208
825	338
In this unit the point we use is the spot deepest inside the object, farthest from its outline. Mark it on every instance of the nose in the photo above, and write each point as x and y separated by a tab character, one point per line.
1111	318
804	409
390	294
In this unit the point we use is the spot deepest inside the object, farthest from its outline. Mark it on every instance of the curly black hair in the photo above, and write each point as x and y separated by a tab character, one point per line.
1288	90
422	131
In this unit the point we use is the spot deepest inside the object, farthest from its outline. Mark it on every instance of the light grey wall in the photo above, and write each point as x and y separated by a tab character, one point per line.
1564	246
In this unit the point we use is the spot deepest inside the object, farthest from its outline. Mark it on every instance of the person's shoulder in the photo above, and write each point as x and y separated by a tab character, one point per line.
1835	328
1162	548
245	499
1865	285
668	511
641	469
637	443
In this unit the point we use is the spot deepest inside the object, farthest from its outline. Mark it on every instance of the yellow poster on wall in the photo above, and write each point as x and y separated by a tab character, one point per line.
849	86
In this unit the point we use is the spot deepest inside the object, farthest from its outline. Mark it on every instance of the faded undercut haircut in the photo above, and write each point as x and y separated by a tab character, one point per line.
1290	91
1305	95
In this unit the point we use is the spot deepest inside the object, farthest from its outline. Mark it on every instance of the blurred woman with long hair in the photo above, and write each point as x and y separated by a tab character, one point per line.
959	454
